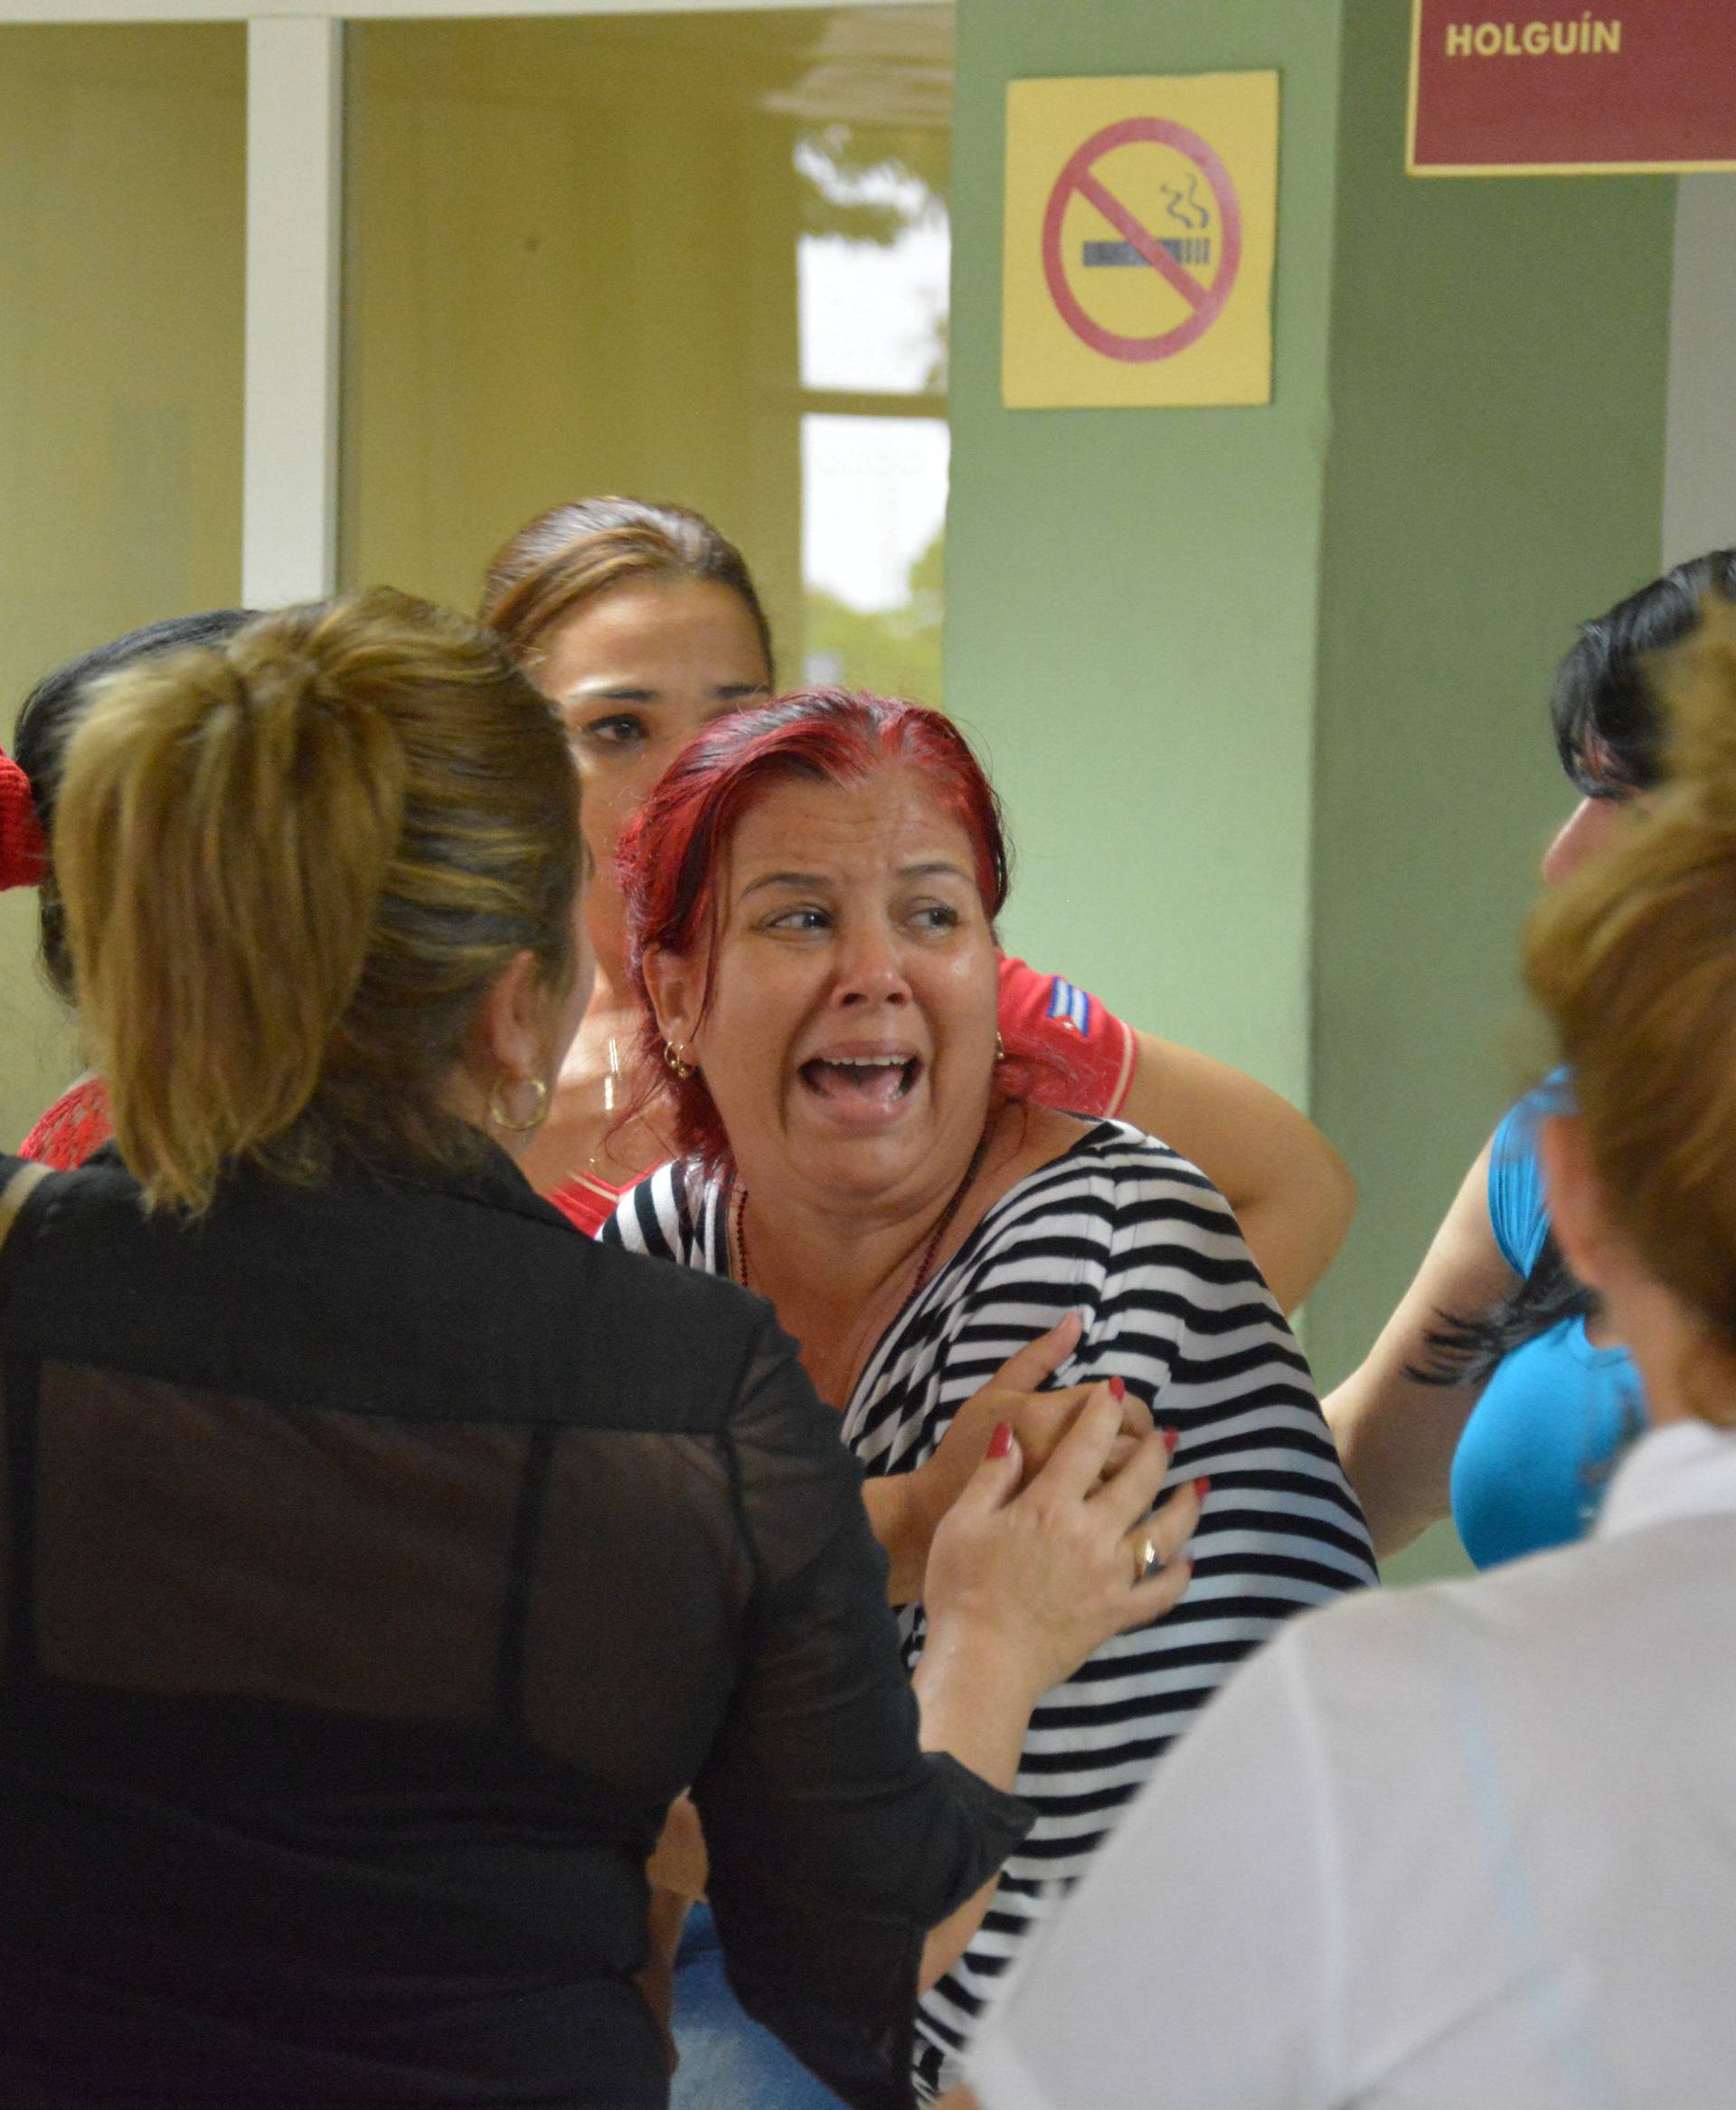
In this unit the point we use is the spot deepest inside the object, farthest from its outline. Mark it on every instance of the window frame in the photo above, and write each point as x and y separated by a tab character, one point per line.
294	259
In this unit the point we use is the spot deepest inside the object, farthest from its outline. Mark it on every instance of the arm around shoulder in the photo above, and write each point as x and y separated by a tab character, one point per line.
1293	1194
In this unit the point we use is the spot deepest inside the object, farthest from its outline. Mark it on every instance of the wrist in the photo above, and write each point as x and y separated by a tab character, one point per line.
980	1656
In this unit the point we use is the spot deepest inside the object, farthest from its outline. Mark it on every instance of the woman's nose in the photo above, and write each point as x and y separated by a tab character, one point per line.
870	967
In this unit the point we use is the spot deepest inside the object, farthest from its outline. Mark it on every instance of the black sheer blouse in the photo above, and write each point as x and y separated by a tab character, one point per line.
378	1561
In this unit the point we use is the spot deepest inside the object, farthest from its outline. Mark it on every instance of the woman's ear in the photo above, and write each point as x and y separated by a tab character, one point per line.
1579	1215
510	1030
674	987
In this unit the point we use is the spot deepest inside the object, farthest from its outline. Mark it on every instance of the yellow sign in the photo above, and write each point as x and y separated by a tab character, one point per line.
1141	225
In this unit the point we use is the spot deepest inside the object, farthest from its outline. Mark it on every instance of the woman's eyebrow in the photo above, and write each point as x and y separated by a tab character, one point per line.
606	692
782	878
932	868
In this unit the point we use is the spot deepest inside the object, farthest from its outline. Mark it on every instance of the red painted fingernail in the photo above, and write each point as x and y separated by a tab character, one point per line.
1118	1389
1201	1488
1001	1442
1172	1437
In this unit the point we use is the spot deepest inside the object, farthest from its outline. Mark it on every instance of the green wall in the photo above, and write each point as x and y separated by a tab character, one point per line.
1131	594
1265	688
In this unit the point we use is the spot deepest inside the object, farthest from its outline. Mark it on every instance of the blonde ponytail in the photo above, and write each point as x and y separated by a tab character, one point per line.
291	866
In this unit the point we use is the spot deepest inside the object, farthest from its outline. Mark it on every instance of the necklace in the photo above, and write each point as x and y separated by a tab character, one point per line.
925	1267
611	1099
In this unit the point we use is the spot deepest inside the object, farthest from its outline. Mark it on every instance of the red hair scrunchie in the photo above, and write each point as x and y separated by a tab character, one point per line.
24	848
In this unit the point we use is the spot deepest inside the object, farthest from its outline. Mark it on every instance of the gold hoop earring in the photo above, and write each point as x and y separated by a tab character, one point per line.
674	1063
502	1119
1000	1047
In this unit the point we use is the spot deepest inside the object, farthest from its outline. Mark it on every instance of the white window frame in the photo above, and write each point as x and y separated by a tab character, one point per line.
295	189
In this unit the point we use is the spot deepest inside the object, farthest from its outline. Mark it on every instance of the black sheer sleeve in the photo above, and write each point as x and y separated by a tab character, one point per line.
835	1844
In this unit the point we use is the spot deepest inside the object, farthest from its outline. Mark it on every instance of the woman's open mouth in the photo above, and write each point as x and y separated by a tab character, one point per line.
862	1079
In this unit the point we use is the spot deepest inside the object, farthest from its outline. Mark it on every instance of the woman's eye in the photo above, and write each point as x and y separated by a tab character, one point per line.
798	920
936	916
620	728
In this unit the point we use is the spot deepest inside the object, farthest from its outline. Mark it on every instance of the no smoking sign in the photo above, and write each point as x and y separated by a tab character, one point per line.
1140	224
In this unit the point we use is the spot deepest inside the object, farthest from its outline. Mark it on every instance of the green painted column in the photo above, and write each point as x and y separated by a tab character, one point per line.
1265	688
1131	595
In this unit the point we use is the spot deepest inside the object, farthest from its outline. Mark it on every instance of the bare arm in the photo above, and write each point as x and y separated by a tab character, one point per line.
1397	1437
1292	1194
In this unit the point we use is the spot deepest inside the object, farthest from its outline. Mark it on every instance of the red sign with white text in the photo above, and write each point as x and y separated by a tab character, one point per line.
1537	89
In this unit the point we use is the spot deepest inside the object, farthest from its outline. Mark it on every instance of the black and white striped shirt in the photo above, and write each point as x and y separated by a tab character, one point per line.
1121	1229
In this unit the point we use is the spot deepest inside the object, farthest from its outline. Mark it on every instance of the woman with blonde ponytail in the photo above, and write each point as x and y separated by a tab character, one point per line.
76	1125
1473	1843
379	1558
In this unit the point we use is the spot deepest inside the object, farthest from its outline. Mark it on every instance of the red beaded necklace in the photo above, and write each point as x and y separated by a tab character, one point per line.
925	1268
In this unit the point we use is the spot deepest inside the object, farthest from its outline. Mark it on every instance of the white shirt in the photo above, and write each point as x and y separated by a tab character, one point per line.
1467	1845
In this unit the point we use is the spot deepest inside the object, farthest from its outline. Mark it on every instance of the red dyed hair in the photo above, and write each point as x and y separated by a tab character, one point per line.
672	851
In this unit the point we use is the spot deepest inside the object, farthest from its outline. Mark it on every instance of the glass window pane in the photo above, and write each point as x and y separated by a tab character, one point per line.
678	255
122	224
873	508
873	286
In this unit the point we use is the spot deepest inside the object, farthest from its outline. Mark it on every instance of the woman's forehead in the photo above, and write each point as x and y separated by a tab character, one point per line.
893	817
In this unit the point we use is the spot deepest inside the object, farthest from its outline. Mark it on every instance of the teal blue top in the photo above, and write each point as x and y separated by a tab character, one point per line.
1541	1442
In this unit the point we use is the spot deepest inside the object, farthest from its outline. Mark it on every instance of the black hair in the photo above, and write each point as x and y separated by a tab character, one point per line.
1608	730
1465	1352
46	723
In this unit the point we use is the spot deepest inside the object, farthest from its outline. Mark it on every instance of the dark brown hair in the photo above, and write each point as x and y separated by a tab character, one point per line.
572	553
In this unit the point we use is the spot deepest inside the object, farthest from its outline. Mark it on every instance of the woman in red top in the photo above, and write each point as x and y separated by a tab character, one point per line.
642	624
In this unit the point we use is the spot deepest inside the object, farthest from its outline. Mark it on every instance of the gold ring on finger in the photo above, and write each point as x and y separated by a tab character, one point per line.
1148	1559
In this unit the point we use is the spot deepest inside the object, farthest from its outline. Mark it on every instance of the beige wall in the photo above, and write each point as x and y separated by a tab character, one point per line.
121	220
572	268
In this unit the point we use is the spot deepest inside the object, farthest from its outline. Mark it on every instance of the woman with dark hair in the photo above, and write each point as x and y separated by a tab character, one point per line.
1494	1393
78	1122
1471	1843
380	1559
642	624
812	891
